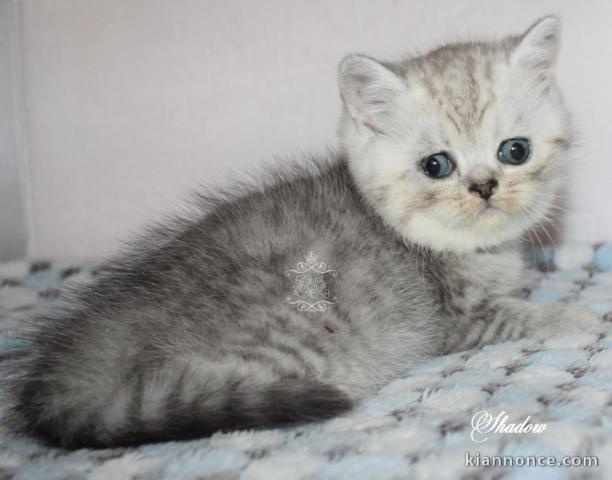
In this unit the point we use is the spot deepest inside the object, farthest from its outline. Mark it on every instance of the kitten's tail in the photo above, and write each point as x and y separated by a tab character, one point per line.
156	410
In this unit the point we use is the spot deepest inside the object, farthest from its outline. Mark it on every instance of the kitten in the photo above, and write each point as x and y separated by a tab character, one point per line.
293	301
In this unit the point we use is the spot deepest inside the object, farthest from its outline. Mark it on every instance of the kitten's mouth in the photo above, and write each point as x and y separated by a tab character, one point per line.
487	207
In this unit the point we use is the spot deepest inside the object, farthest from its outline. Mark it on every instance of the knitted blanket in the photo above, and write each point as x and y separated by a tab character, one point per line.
523	409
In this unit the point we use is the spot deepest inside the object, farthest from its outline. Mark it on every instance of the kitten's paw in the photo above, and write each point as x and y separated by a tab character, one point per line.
563	319
531	278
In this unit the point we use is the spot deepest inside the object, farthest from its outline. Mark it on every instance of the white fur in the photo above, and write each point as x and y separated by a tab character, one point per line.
569	256
391	121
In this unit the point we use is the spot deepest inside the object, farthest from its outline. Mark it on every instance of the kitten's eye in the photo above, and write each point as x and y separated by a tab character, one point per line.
438	165
514	151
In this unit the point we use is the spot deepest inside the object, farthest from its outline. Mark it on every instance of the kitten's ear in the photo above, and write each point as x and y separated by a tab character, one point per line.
538	47
369	90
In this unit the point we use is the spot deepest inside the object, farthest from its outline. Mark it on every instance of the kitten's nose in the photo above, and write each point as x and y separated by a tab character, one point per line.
485	190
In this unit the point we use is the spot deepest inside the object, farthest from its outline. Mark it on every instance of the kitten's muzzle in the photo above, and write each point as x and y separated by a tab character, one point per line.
484	190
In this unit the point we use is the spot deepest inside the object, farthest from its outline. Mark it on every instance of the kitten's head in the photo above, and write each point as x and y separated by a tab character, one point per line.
463	148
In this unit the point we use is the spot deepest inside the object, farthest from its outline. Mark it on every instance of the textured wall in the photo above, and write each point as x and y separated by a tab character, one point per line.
132	103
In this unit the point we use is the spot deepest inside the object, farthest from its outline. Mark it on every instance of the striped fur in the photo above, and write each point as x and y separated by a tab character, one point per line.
194	329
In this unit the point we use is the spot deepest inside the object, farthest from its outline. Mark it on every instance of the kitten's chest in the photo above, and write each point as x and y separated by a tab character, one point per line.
465	282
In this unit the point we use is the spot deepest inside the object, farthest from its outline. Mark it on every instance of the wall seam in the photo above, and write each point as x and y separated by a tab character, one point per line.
19	114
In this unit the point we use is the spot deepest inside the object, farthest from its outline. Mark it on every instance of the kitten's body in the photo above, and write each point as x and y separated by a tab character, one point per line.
195	331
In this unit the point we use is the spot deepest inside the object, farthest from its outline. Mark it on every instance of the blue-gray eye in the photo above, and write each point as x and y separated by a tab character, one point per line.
514	151
438	165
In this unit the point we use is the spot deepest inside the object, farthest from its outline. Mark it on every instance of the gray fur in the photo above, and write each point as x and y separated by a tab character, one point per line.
191	331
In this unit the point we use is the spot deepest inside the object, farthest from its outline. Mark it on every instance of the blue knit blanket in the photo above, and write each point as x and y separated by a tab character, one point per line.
524	409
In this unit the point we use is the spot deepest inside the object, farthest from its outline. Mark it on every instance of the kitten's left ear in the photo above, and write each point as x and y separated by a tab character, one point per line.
539	46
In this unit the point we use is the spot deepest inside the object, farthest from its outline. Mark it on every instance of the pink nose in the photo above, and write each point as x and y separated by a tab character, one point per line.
485	190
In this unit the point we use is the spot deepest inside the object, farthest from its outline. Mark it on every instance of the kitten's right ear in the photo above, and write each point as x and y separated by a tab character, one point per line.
369	90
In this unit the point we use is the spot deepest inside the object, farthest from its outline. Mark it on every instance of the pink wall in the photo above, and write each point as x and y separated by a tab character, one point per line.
130	104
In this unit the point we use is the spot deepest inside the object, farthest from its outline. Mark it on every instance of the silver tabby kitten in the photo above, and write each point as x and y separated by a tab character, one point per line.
225	321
